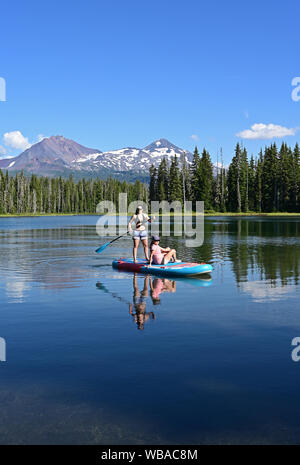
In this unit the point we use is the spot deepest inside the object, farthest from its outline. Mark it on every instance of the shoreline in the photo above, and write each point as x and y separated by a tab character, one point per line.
248	214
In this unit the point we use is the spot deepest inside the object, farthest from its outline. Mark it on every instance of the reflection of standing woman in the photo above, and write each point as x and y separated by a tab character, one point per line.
139	233
140	315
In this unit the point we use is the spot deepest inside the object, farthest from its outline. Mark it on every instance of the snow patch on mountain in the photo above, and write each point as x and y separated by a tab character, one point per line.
132	158
91	156
60	156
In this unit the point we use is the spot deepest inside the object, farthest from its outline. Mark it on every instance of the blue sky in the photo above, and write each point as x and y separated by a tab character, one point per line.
124	73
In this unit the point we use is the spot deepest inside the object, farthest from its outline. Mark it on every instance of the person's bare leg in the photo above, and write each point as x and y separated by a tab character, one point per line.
170	255
135	248
135	286
146	285
146	250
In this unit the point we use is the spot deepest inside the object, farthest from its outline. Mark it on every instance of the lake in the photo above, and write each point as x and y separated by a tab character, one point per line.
97	356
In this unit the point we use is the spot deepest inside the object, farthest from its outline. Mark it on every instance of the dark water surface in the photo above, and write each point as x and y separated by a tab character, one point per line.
98	356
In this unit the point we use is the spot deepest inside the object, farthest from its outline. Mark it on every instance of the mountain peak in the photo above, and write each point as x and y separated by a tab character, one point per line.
56	138
51	154
57	155
163	142
160	144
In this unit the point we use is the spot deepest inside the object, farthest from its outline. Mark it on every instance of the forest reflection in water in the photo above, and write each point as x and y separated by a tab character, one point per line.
84	340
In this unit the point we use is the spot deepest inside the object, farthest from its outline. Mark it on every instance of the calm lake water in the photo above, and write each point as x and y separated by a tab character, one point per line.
94	355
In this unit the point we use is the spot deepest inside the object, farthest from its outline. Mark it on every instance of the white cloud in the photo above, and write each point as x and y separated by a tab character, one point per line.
194	137
16	140
262	291
266	131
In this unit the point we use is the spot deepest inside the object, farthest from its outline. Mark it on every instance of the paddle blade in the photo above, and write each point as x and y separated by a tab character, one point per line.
102	247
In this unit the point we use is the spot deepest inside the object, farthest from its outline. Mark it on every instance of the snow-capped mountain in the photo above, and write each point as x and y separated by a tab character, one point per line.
57	155
132	159
51	156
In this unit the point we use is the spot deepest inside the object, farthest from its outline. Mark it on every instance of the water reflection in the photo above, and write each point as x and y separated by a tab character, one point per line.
152	287
137	309
265	250
269	248
72	352
261	291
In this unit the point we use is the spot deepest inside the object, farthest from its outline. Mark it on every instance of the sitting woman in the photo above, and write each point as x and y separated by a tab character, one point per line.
159	255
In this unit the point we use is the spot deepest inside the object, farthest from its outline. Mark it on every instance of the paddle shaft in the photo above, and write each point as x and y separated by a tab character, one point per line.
100	249
118	237
125	233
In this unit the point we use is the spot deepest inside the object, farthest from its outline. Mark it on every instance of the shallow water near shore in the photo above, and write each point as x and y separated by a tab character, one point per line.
97	356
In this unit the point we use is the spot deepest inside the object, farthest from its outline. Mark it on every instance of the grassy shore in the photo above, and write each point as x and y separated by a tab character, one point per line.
208	214
36	215
252	214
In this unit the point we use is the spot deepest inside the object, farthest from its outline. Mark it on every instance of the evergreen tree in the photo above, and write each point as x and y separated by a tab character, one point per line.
295	180
153	183
234	182
195	176
175	188
252	189
269	178
163	180
285	167
184	178
205	180
217	188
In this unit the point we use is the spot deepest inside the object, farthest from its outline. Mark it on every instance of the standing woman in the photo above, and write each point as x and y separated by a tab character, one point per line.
139	233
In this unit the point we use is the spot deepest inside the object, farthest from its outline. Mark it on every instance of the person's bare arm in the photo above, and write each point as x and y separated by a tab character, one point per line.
130	222
150	259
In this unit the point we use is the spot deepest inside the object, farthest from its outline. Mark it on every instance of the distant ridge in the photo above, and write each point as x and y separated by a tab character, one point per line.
50	156
58	156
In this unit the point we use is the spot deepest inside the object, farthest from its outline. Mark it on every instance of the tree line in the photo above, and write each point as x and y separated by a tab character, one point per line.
20	194
270	182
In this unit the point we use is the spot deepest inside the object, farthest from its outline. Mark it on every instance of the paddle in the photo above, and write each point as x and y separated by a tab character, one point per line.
103	247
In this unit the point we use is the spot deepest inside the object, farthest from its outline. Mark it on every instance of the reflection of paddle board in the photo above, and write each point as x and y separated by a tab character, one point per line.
197	281
171	269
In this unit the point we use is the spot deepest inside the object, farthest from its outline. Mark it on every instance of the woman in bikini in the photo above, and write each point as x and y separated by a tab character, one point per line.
139	233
